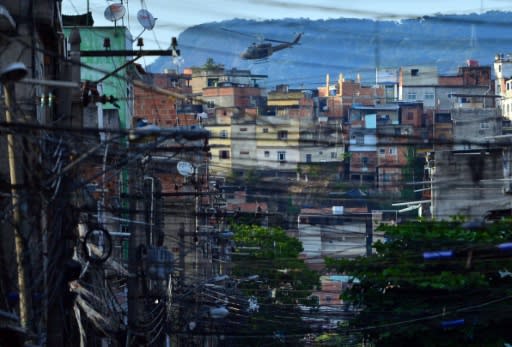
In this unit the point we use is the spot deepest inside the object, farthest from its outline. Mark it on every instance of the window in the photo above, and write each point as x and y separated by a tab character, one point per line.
315	299
410	115
484	125
282	135
281	155
244	152
392	150
357	139
265	130
223	134
429	95
382	151
308	158
320	153
411	95
266	154
333	155
243	129
223	154
364	161
212	82
415	72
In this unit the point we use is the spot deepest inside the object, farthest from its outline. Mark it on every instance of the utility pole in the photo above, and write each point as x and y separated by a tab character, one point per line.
369	234
18	220
137	240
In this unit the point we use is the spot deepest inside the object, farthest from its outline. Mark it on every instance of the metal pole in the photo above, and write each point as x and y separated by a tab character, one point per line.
16	212
369	234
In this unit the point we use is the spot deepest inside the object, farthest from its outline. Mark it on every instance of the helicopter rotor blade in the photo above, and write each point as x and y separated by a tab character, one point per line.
258	37
277	41
239	33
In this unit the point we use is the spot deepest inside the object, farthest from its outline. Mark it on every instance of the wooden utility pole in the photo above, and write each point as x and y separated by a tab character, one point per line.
8	88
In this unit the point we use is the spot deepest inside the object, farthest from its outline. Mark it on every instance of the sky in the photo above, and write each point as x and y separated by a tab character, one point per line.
173	17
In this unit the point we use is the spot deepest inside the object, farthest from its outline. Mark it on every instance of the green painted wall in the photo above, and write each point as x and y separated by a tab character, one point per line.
92	38
117	85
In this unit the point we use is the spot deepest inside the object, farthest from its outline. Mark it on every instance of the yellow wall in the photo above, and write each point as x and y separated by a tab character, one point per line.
218	144
270	138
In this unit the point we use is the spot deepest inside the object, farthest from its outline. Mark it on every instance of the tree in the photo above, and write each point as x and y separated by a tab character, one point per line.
434	283
210	64
283	282
412	172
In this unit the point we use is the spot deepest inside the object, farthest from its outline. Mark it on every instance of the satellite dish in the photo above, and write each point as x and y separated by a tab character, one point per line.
114	12
146	19
185	168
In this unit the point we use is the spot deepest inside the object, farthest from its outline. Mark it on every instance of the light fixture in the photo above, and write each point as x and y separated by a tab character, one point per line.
218	312
7	23
13	72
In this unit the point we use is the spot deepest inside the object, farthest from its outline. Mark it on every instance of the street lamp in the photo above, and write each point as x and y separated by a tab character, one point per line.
13	73
8	75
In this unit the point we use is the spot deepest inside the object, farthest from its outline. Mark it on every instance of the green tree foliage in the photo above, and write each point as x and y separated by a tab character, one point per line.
412	172
283	282
274	256
434	283
210	64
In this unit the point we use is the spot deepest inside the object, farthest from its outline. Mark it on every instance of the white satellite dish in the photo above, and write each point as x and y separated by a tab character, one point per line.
185	168
114	12
146	19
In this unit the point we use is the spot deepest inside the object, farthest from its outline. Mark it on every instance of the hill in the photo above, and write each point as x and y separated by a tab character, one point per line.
346	45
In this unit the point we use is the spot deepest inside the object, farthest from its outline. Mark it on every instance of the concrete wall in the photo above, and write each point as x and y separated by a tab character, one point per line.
244	146
472	126
335	239
467	183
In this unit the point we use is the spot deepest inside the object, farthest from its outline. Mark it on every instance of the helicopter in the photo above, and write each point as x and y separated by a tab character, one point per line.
259	51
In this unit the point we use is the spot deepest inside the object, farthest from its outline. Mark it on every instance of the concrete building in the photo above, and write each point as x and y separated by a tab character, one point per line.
398	143
289	103
276	137
503	83
244	144
216	76
29	32
335	99
277	143
467	176
333	232
219	124
467	183
362	144
424	84
165	110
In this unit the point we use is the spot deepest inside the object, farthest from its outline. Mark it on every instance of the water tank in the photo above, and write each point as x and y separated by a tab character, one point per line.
337	210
